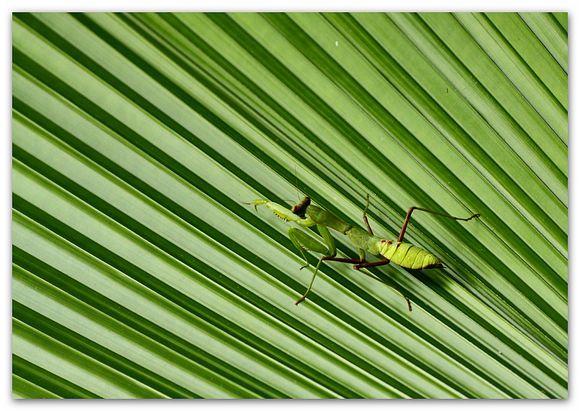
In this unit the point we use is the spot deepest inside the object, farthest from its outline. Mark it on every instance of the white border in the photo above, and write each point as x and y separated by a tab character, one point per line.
294	5
8	6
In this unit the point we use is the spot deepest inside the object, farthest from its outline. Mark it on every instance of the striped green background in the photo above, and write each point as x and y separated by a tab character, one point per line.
139	273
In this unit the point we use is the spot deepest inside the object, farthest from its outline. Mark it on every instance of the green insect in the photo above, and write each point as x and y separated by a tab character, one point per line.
305	215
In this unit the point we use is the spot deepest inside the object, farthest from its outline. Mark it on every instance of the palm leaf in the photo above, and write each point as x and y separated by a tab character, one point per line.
139	273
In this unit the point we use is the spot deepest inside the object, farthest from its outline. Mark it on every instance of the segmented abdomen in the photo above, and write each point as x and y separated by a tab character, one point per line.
409	256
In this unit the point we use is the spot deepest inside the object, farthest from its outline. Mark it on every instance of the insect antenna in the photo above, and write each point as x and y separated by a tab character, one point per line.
296	181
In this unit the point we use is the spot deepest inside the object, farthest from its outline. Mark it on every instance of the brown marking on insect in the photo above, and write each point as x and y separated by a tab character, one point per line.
300	208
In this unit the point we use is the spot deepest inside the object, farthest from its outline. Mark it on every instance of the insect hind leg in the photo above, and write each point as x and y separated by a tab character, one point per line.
410	211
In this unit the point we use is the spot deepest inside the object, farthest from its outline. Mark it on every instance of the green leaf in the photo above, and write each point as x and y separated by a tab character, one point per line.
138	272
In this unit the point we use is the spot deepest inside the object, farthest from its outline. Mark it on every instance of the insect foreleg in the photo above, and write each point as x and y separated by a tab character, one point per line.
328	240
410	211
306	242
282	212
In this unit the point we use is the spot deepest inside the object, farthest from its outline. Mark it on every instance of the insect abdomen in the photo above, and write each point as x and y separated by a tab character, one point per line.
409	256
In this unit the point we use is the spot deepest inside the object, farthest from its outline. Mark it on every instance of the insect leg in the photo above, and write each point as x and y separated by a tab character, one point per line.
309	285
342	260
393	284
365	219
410	211
328	240
330	253
331	249
359	260
366	264
362	255
305	241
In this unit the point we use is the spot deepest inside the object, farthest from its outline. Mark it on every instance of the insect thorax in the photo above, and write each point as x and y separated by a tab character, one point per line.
326	218
360	238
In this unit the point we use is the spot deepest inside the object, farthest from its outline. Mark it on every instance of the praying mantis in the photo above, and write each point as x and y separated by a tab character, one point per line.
305	215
